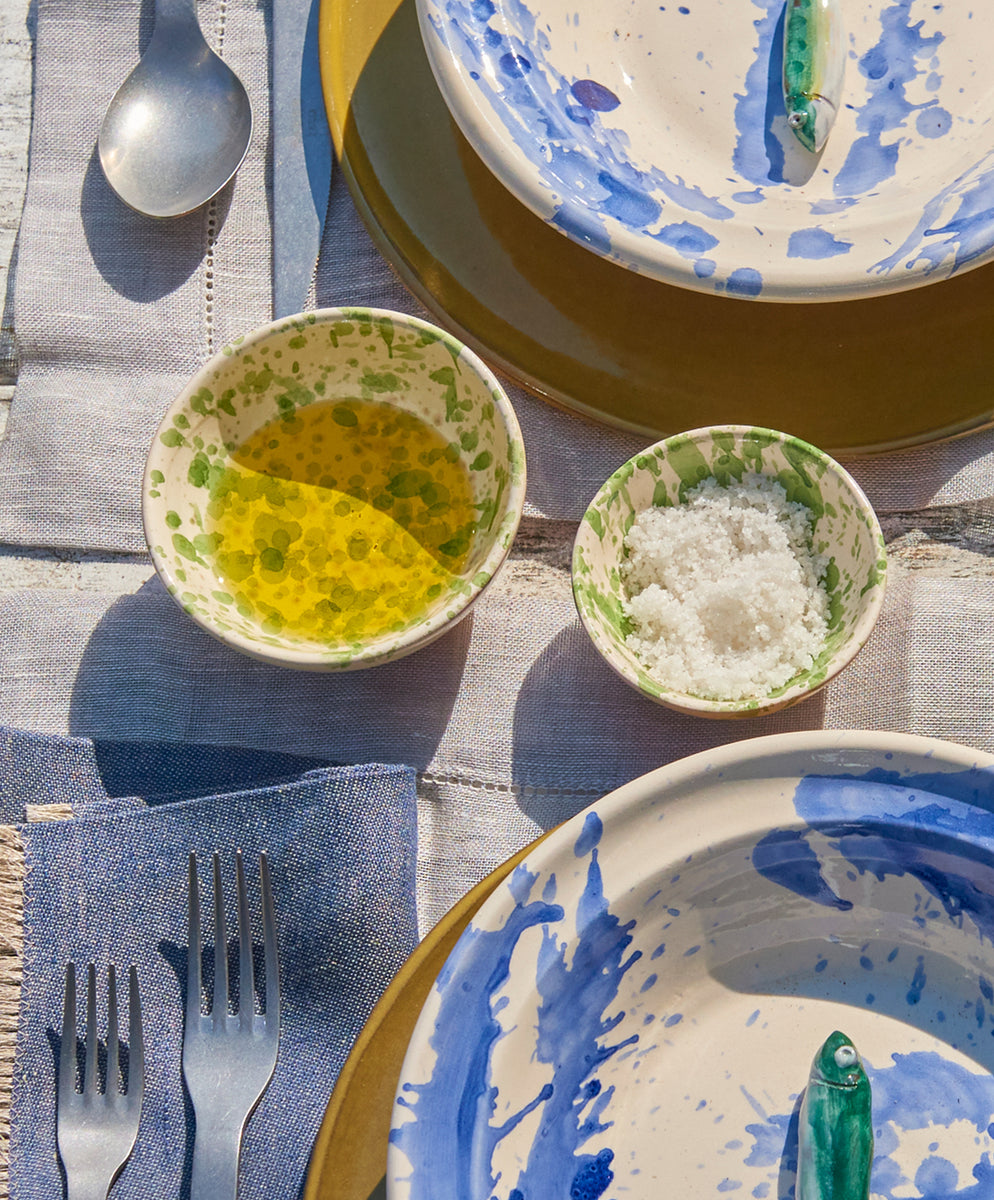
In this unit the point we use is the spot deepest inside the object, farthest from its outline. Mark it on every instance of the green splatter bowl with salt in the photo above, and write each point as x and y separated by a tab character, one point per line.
334	490
841	536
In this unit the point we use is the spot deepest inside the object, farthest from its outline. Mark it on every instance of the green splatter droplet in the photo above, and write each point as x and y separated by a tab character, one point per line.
343	415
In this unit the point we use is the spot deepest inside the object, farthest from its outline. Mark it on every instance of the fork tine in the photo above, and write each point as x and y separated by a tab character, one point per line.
90	1072
219	1003
246	973
136	1058
271	952
113	1049
67	1054
193	981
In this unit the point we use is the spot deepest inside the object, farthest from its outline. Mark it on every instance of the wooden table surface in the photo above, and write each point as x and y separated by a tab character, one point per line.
952	541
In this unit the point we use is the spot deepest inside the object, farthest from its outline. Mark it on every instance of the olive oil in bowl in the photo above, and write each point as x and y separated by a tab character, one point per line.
341	521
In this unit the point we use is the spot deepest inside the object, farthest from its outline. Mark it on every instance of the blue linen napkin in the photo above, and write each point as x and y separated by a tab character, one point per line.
109	884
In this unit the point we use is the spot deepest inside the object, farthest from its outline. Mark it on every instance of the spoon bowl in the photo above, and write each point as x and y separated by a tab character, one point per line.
179	126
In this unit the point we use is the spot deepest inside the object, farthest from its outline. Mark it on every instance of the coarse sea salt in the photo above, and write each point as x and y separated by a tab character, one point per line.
725	595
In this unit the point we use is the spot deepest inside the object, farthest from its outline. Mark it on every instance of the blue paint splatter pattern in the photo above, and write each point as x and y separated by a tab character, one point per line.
656	143
572	1041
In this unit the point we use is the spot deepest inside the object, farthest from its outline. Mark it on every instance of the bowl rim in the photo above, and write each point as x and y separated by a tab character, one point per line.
439	622
483	116
745	707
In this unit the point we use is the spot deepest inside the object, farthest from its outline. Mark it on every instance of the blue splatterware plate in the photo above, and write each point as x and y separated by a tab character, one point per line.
635	1009
656	135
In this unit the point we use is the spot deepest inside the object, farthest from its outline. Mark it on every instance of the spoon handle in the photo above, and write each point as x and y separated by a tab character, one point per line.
170	13
302	157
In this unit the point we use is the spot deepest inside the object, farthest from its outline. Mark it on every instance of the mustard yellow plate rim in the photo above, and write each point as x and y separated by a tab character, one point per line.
349	1158
850	377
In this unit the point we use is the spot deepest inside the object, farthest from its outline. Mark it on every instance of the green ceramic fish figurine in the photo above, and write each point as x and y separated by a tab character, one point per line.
814	60
835	1134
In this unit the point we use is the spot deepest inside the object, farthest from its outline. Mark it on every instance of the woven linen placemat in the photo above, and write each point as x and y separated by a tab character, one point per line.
108	883
512	719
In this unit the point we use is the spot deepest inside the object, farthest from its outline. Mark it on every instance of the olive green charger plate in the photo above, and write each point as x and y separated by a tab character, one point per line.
850	377
349	1158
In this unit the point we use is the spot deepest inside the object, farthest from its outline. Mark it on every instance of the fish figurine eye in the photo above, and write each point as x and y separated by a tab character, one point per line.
845	1057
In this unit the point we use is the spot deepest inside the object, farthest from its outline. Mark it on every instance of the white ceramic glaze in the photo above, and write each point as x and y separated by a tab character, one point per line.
656	134
328	355
844	528
634	1011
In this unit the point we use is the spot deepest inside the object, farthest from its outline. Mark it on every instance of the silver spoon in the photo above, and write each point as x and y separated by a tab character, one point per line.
179	126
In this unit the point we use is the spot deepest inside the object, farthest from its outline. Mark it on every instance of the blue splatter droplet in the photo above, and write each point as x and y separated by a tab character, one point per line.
594	95
933	122
815	243
629	205
590	835
746	281
687	239
515	65
918	981
593	1178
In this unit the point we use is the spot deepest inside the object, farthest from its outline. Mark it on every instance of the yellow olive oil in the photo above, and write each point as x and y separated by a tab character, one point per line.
340	521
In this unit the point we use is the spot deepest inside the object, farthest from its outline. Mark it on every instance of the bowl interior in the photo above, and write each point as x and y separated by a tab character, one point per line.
844	529
327	357
644	1000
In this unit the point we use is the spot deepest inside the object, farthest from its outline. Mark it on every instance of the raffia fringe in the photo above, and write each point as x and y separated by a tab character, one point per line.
47	812
12	872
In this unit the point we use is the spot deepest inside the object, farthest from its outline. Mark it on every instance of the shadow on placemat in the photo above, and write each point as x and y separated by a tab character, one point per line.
149	673
140	257
615	734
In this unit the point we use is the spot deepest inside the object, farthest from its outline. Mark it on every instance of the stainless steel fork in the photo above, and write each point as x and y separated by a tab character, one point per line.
96	1130
228	1060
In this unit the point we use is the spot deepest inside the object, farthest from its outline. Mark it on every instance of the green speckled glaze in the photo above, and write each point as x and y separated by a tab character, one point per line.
328	355
844	528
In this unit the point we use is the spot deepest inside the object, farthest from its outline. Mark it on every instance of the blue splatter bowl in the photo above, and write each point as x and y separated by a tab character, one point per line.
657	136
643	997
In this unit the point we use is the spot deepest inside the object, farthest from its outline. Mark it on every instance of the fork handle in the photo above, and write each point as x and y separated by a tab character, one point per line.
89	1186
216	1149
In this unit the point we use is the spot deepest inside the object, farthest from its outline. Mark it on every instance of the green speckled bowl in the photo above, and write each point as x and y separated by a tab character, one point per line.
326	355
845	528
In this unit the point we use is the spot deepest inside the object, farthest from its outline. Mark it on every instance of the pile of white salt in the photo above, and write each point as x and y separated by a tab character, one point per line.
725	594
